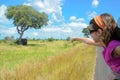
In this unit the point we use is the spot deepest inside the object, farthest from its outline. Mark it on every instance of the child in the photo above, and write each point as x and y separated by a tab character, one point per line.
105	33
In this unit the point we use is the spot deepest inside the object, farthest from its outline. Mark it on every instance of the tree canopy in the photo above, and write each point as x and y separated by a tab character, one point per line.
86	32
25	17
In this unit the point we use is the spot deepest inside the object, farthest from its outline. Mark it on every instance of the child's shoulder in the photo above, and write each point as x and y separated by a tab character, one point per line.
114	43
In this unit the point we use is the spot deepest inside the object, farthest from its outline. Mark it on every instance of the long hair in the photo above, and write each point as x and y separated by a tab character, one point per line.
108	30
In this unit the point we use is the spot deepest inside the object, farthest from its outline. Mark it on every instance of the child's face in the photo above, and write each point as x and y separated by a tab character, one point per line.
95	34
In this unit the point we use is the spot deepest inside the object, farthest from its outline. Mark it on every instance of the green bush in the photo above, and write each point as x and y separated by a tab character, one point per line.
50	39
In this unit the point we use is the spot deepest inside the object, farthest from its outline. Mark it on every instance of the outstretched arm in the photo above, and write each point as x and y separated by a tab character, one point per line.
87	41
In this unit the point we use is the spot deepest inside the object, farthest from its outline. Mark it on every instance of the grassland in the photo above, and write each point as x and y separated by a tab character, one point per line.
43	60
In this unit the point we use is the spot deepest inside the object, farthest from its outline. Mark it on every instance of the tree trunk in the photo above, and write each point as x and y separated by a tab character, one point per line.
20	38
20	30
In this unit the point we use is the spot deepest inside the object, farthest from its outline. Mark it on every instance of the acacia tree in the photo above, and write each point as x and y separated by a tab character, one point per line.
86	32
25	17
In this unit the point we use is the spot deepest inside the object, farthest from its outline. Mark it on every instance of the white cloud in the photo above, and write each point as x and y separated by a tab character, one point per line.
28	4
67	30
56	18
91	14
67	27
95	3
51	29
2	14
50	22
53	8
7	31
35	33
72	28
2	10
76	24
11	31
72	18
57	29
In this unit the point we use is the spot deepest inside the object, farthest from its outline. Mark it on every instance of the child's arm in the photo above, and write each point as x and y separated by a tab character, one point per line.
87	41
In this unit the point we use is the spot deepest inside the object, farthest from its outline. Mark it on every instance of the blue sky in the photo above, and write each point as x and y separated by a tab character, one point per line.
67	18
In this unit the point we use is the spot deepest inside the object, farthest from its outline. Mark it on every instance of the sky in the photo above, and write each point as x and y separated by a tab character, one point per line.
67	18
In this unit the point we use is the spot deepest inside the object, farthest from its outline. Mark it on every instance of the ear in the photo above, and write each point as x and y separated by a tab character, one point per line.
99	32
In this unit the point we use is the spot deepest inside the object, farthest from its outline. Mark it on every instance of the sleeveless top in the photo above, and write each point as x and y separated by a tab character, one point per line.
113	62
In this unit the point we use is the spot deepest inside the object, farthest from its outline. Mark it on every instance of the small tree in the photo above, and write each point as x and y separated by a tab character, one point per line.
86	32
9	39
68	38
25	17
50	39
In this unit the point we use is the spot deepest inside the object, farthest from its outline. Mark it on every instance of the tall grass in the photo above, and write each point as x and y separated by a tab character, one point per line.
61	61
11	55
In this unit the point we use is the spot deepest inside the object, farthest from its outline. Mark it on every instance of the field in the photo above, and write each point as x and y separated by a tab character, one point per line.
44	60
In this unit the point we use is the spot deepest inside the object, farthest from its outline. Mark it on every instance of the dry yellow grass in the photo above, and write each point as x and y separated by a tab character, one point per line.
77	63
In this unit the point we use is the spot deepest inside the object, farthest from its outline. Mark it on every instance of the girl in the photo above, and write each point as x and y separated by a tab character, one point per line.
105	33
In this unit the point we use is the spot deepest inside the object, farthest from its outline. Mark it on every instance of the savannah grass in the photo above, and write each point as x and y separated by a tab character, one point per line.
43	60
